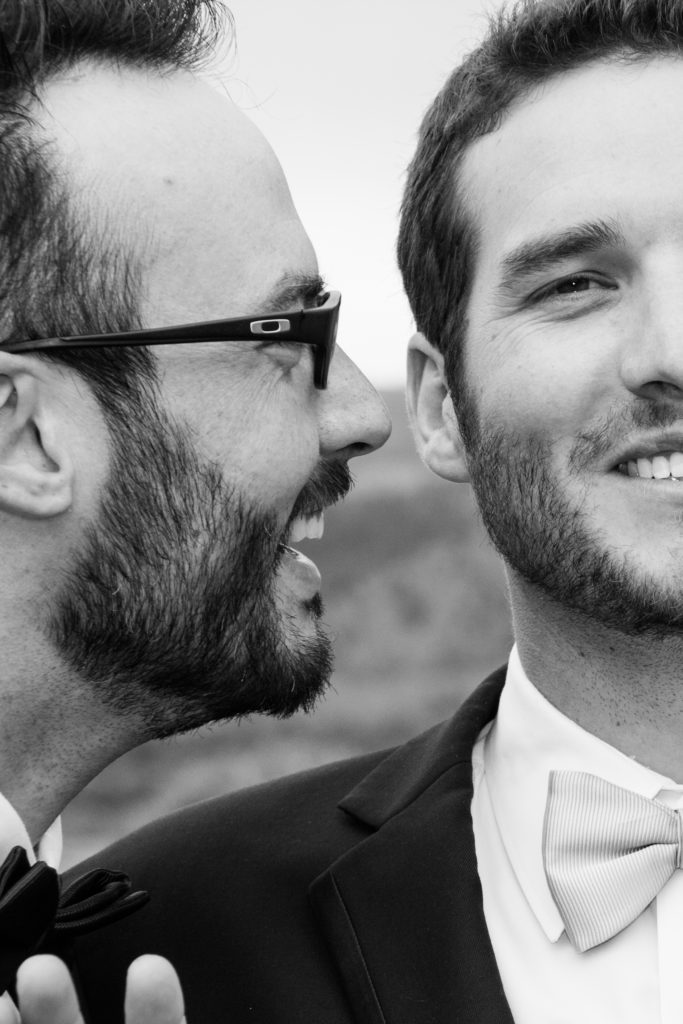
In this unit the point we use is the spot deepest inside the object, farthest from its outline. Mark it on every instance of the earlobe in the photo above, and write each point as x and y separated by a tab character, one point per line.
431	412
36	474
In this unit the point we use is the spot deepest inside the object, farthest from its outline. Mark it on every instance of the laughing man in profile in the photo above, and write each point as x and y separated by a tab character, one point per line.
173	412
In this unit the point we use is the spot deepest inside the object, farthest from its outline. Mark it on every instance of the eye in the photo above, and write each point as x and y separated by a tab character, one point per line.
583	287
286	349
573	285
286	354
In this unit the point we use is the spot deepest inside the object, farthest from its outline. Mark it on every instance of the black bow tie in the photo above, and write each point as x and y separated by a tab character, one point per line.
37	914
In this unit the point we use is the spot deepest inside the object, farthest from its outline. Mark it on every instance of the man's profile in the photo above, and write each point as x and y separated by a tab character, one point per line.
174	414
519	862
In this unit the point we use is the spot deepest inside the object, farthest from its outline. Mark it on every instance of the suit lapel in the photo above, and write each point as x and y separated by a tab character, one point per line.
402	910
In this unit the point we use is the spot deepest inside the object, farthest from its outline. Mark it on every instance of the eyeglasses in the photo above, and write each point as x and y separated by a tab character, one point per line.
316	327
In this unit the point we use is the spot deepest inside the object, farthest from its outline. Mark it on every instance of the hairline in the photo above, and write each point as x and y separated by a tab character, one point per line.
64	262
463	205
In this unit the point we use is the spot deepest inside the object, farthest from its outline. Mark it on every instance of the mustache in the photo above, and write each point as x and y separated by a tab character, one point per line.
329	483
600	439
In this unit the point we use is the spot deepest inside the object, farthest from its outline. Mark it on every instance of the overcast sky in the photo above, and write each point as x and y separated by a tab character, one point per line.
339	87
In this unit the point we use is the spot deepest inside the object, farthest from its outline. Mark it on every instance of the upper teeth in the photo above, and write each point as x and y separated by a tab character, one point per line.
307	527
659	467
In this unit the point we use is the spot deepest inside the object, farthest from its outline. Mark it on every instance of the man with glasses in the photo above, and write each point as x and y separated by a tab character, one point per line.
172	413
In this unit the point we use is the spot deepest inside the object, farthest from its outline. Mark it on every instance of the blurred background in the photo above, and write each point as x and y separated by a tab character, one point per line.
414	595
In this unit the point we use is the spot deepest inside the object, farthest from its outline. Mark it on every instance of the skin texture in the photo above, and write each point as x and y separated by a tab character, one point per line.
178	171
574	365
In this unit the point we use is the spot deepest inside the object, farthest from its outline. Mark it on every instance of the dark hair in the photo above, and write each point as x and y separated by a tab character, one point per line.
525	45
60	272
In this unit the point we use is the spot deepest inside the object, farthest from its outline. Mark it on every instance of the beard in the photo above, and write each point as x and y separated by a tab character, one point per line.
546	536
169	610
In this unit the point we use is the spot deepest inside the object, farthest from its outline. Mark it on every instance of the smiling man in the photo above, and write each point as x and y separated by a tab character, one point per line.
173	416
521	861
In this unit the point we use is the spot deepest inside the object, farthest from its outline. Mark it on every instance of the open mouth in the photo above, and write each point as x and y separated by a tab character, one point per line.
663	466
302	575
304	527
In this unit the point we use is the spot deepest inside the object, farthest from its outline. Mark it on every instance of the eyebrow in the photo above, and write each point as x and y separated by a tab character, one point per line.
546	251
295	290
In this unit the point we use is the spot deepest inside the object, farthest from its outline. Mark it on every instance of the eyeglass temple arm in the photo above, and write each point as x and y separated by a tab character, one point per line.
300	327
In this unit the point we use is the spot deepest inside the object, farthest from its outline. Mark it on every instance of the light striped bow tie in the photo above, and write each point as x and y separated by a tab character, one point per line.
607	852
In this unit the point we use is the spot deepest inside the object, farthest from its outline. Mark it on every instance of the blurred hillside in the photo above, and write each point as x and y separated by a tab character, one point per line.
415	598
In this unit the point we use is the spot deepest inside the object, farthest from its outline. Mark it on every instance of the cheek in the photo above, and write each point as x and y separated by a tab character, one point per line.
538	384
273	467
249	422
264	448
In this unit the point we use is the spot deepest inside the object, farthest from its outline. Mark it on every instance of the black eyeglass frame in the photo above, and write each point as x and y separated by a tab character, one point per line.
316	326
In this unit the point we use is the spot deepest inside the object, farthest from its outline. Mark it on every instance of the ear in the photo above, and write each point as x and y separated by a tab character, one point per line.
431	412
36	473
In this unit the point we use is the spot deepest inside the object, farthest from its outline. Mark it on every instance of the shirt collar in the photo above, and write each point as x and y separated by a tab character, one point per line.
528	739
13	833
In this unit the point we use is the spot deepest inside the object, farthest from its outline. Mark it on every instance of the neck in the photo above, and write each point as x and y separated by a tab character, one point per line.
626	690
41	788
54	739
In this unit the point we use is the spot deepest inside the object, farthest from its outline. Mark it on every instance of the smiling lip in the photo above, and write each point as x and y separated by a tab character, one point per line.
665	443
301	570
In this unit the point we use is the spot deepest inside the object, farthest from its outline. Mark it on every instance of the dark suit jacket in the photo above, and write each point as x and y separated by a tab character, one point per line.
346	894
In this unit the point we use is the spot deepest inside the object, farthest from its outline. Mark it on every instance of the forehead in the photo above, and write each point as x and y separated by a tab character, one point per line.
175	168
604	142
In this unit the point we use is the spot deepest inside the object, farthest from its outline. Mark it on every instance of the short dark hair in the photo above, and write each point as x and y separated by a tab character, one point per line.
526	44
60	273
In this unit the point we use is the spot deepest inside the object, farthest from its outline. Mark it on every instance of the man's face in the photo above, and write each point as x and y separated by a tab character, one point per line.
574	342
185	601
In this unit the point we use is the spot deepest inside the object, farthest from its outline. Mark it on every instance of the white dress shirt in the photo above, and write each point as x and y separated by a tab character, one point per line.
634	978
13	833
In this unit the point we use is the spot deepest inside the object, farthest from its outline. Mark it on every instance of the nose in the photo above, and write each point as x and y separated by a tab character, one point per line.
354	419
652	362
